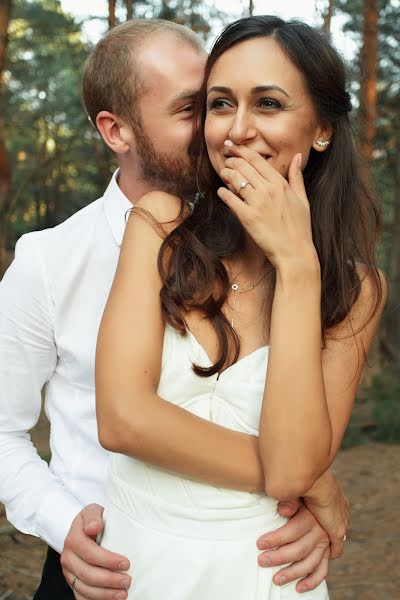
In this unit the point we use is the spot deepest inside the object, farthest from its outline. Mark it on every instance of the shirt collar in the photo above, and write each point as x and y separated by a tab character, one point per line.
116	206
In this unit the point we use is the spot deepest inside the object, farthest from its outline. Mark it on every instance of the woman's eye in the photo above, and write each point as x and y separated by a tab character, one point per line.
269	103
218	103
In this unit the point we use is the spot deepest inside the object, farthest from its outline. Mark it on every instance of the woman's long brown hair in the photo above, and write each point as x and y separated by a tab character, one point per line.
345	220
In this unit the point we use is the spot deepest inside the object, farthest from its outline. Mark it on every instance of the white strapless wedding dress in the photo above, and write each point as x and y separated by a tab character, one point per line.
187	540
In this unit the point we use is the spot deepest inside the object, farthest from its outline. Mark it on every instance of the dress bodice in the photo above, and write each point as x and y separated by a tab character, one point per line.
231	399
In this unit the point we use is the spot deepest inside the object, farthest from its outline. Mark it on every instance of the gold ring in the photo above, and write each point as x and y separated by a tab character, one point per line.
75	579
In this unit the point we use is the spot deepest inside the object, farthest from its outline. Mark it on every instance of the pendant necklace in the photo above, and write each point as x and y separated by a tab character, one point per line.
237	290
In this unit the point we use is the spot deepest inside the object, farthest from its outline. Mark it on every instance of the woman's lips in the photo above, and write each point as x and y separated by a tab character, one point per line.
265	156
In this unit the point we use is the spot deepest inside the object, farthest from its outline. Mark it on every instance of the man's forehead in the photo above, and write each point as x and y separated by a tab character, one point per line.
171	71
165	54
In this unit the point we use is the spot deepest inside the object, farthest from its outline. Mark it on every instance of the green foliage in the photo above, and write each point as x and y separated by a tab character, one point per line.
386	411
376	414
51	144
59	162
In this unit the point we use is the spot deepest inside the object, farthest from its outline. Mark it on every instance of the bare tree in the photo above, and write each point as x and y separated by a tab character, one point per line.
327	16
111	14
251	7
389	336
129	9
368	77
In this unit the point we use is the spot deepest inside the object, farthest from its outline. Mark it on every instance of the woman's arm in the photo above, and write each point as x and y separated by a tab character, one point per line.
132	418
309	392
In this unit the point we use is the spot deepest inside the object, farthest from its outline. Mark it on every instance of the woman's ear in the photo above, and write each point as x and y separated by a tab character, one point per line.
322	138
115	132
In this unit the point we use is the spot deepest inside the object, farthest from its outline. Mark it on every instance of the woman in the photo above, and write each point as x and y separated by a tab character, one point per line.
269	300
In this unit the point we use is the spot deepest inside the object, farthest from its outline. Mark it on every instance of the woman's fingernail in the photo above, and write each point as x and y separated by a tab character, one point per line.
119	596
265	561
303	588
300	160
262	545
282	580
228	143
123	565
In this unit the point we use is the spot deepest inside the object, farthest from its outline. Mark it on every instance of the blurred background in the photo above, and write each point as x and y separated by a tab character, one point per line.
52	163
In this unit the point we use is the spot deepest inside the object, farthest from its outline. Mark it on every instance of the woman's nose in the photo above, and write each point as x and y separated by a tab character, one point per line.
242	128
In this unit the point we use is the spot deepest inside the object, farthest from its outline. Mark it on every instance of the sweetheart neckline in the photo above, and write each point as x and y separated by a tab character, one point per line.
190	335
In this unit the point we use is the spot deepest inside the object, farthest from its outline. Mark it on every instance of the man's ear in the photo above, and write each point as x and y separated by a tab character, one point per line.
115	132
323	137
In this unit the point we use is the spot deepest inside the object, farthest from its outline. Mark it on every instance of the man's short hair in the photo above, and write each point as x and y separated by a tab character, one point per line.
111	78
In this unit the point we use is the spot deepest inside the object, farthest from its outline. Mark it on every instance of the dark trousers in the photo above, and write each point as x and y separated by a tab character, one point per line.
53	585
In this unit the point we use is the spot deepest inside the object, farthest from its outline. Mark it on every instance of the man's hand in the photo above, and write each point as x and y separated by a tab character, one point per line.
97	571
301	542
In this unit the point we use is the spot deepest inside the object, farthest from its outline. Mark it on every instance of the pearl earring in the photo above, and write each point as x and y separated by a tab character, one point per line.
322	143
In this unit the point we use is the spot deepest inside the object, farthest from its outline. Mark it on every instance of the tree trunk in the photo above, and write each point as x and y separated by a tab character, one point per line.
328	16
391	331
111	14
5	167
251	7
368	76
129	9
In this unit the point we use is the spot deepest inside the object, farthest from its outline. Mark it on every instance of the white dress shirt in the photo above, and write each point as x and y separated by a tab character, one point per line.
51	301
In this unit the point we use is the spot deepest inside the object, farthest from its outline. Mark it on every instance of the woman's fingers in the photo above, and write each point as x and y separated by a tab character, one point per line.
235	203
295	177
258	162
239	183
246	171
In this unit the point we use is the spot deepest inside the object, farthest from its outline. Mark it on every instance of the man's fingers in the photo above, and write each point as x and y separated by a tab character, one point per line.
289	508
290	553
92	521
89	552
294	529
315	578
84	592
300	569
96	578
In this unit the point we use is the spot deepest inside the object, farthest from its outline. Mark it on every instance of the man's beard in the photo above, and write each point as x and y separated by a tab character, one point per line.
170	173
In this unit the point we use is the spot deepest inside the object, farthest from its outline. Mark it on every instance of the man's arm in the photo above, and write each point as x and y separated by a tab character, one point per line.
36	502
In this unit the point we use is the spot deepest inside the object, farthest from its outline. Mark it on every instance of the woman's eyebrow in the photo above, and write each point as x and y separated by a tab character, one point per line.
255	90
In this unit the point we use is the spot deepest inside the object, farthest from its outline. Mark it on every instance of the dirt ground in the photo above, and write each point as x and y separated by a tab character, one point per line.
369	570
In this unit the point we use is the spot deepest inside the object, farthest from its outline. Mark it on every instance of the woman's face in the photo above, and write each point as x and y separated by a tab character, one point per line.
257	97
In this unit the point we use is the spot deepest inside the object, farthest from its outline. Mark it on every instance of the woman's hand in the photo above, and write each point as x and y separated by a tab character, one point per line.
331	508
275	212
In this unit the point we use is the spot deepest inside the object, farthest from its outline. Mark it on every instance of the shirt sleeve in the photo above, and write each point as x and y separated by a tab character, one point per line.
36	501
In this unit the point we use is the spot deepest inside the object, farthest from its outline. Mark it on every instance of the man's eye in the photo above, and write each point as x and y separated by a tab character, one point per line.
188	108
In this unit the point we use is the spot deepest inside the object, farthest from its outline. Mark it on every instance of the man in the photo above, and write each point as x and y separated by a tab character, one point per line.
140	86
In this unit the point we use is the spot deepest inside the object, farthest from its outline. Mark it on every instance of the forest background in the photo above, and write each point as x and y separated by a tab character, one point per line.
52	162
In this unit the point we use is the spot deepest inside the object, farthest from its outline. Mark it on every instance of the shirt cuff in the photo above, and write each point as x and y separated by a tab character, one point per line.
55	516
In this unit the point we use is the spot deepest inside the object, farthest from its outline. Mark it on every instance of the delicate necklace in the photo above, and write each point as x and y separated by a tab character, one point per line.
237	290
